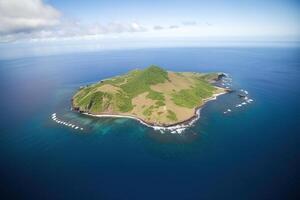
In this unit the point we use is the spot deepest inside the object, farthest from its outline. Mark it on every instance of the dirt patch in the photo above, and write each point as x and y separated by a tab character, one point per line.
176	83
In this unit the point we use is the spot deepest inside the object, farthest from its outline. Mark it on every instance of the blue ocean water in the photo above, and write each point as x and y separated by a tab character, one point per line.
250	153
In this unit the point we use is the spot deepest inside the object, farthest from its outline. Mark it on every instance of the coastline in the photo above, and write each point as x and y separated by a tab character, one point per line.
176	126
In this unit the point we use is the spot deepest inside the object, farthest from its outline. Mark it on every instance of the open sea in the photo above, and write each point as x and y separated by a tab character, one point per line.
252	152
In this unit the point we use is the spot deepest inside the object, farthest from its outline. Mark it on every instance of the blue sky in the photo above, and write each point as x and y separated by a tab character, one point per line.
174	11
122	23
278	13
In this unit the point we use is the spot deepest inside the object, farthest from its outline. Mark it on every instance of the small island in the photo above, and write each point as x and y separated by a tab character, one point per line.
152	95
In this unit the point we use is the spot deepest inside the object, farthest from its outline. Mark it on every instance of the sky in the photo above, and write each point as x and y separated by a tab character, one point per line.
144	23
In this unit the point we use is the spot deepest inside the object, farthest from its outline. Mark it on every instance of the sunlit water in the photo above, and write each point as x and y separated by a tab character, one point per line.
248	153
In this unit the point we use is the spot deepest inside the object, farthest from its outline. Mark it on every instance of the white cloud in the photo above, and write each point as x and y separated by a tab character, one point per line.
157	27
34	19
189	23
26	15
173	27
117	27
77	30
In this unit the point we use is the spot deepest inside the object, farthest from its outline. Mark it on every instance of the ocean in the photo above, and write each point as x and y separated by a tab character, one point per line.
251	152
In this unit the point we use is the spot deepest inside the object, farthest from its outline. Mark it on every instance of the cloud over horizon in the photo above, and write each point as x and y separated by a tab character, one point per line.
189	23
34	20
26	16
73	30
157	27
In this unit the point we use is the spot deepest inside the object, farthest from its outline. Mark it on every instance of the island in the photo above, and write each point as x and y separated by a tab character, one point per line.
152	95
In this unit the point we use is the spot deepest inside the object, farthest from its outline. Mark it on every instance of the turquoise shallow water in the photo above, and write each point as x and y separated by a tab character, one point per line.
250	153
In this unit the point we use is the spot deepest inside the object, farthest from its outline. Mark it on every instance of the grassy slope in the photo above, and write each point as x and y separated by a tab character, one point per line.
193	97
94	100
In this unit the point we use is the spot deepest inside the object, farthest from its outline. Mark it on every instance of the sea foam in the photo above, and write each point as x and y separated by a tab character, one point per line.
68	124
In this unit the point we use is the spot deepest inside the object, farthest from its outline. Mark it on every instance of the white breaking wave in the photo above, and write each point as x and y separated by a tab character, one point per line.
246	100
59	121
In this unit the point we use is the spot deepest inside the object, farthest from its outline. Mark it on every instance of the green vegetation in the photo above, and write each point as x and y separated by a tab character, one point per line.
193	97
132	84
115	81
137	93
160	103
148	111
141	80
155	95
171	115
95	101
186	98
123	102
210	76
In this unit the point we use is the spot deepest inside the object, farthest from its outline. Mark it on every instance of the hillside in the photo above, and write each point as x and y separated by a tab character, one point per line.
153	95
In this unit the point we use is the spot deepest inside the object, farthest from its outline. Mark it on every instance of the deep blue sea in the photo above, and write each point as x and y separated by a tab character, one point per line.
250	153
